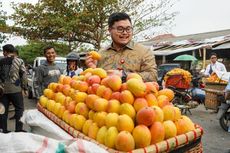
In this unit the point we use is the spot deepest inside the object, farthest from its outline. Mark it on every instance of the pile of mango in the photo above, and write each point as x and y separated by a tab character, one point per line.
122	116
214	78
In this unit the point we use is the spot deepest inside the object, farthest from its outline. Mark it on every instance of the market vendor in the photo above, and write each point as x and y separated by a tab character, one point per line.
214	66
123	54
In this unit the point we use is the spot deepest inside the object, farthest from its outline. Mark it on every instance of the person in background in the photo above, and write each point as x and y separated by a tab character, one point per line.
214	66
124	56
13	79
47	72
73	64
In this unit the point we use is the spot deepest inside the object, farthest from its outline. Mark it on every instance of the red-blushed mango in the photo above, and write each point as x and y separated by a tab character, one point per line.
100	104
71	106
90	100
93	79
126	97
140	103
159	113
167	92
162	101
146	116
113	106
157	132
142	136
151	99
93	129
124	141
116	95
82	109
114	82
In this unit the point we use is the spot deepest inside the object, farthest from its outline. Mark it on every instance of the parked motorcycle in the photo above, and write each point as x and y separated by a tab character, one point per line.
197	92
224	114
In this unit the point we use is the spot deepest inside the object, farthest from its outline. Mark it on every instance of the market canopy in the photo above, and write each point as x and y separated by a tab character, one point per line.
185	57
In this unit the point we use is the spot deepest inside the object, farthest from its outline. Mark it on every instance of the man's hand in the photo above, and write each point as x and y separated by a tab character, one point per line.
115	72
90	62
25	93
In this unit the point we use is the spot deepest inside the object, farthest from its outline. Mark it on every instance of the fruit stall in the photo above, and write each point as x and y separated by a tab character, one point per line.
214	87
120	116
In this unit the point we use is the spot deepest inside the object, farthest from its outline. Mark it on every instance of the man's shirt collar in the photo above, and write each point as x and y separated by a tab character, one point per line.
130	46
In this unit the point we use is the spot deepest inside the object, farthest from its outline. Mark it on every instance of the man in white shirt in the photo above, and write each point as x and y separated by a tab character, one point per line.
214	66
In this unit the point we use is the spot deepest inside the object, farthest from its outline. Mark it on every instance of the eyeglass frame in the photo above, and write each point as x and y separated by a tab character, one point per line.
122	30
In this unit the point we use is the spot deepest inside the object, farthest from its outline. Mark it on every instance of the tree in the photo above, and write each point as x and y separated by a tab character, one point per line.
35	49
84	21
3	26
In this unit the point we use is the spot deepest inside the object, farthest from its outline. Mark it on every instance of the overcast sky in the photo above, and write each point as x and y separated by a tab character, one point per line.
195	16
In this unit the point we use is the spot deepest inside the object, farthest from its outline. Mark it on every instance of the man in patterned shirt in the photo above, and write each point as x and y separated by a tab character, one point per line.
13	79
124	54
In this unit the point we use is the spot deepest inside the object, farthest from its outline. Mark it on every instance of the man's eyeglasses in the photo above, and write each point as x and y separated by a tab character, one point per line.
122	29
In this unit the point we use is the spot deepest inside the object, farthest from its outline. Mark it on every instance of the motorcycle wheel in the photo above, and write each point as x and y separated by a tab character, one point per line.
225	121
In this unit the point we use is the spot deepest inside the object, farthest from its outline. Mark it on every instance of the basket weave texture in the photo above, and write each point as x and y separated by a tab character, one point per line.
181	141
212	91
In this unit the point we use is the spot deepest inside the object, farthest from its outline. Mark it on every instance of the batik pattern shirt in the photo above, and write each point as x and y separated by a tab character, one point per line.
133	58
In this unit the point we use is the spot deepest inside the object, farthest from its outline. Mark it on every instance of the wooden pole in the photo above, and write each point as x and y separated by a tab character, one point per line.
163	59
204	57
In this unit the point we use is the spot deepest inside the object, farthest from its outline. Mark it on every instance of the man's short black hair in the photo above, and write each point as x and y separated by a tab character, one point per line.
117	16
213	54
47	48
9	48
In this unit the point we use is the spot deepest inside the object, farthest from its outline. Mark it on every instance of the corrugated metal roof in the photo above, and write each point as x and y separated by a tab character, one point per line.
210	40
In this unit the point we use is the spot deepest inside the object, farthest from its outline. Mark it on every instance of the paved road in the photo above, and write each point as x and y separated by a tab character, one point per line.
214	140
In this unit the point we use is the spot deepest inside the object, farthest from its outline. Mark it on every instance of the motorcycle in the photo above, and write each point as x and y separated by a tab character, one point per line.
224	114
197	92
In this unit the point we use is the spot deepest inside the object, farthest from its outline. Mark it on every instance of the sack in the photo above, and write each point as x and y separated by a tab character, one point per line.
27	142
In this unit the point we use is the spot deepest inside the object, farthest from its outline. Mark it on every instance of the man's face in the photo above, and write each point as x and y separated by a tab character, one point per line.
213	59
50	55
121	32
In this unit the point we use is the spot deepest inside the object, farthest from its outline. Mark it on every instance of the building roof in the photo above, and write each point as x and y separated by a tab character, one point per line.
171	45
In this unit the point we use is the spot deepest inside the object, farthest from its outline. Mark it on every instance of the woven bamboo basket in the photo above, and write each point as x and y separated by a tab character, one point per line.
215	86
212	91
187	143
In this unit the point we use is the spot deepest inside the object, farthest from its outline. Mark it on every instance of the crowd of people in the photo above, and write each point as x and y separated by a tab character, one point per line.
122	56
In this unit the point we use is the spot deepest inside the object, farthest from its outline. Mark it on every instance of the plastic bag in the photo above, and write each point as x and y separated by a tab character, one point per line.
41	125
28	142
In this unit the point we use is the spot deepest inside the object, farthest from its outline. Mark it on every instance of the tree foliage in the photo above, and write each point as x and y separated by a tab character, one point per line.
84	21
35	49
3	26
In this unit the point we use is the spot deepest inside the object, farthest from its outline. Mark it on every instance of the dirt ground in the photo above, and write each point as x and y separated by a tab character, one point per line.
214	140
